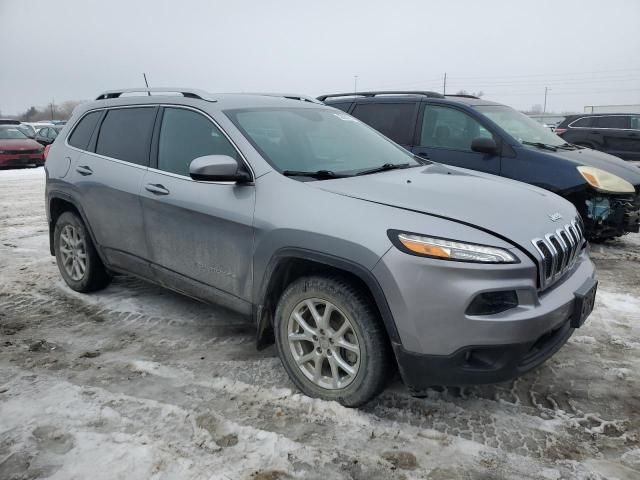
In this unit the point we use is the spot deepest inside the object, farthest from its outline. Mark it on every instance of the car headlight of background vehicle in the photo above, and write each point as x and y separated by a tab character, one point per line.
604	181
442	248
2	152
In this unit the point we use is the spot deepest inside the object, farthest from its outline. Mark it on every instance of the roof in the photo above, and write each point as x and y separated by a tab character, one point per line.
188	96
370	97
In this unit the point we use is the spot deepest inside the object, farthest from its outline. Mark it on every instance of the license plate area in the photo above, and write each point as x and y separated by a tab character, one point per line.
585	298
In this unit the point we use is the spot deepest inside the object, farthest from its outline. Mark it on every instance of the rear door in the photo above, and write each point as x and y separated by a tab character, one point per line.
200	234
108	178
615	134
445	136
396	120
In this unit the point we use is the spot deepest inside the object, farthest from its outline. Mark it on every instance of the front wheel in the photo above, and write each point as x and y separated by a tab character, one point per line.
331	340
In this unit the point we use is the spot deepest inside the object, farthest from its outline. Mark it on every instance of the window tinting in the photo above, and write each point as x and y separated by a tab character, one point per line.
450	128
125	134
395	120
618	121
582	122
82	133
186	135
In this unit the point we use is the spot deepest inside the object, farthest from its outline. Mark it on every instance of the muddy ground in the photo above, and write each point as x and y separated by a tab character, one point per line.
136	382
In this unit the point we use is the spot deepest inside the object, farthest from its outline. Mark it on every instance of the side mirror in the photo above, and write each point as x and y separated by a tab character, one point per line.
217	168
484	145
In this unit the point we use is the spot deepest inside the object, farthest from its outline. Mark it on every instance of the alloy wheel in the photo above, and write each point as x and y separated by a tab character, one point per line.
323	343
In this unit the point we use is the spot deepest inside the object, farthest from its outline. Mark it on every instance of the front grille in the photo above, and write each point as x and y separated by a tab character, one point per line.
558	251
21	152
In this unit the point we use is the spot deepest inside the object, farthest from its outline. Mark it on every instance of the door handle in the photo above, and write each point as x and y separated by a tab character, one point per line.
156	189
84	170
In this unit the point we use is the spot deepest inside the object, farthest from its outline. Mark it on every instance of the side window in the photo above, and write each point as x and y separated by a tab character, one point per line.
186	135
617	121
635	122
81	134
583	122
446	127
125	134
395	120
43	132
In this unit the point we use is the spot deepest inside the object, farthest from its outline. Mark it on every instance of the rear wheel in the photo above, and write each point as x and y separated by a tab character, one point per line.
331	340
76	256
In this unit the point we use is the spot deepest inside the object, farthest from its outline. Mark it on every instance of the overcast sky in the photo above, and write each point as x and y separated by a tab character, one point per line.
586	51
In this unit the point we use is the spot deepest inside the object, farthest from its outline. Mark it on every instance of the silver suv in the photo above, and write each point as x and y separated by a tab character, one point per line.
354	255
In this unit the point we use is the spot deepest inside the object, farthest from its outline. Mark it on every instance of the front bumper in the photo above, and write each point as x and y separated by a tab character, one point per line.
442	345
21	160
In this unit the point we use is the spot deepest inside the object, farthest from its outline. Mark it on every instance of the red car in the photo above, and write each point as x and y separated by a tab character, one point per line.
17	150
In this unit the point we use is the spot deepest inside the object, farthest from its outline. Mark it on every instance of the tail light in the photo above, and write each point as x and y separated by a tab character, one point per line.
559	131
46	151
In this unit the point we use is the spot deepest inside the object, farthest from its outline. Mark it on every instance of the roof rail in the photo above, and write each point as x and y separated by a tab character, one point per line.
463	95
322	98
290	96
186	92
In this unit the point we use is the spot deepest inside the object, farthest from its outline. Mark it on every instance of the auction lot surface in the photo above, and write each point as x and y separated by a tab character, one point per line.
136	382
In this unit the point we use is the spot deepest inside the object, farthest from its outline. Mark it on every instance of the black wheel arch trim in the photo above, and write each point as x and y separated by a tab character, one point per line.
70	199
361	272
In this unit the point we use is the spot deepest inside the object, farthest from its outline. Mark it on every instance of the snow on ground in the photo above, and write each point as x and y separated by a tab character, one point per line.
136	382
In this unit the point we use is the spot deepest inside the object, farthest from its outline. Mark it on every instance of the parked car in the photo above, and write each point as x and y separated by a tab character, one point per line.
9	121
613	133
17	150
347	250
493	138
47	135
27	129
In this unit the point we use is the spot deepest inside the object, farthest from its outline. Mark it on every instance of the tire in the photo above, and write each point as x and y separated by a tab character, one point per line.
372	365
94	276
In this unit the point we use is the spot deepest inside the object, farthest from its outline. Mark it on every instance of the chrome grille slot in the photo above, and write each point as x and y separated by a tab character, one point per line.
558	251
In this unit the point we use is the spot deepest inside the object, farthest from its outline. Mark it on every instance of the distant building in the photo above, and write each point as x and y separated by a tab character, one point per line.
612	109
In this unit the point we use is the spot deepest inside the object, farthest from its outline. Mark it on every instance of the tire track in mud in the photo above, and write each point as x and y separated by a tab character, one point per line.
468	414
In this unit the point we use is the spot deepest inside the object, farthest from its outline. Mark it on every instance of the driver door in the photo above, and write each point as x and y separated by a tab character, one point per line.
200	234
446	134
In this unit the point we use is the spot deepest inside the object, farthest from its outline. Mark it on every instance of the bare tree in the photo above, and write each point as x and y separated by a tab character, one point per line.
536	109
478	94
49	112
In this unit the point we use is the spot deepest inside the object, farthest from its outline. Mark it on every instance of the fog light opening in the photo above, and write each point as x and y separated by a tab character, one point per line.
490	303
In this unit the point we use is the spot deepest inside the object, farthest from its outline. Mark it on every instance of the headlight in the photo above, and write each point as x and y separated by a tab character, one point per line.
450	249
604	181
2	152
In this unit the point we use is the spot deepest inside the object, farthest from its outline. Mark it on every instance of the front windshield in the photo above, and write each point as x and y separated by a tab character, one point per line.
314	139
11	133
519	126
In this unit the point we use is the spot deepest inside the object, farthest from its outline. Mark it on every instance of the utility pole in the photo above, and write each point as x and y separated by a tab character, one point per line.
52	108
544	108
444	84
355	84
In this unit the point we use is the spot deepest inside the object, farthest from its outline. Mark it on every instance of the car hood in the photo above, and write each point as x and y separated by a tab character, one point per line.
601	160
512	210
19	144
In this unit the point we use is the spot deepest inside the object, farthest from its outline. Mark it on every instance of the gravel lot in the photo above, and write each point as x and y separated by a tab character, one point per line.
136	382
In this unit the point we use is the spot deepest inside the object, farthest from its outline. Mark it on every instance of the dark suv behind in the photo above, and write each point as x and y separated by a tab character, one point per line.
614	133
474	133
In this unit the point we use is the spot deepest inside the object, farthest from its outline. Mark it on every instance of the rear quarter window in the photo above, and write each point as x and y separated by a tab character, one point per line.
125	134
82	132
581	122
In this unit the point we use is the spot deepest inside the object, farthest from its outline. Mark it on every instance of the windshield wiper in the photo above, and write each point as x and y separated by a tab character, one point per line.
318	174
384	168
545	146
568	146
